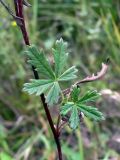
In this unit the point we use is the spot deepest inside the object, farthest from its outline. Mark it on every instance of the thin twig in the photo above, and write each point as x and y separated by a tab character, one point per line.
91	78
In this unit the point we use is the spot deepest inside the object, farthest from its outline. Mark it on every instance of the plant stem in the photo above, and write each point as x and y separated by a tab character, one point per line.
54	131
19	12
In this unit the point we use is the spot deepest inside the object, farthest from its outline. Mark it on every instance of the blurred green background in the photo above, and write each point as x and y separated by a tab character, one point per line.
92	30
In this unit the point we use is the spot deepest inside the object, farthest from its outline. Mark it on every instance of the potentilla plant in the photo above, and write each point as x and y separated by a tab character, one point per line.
72	105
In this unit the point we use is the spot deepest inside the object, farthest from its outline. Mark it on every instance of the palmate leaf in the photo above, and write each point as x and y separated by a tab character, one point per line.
60	56
49	85
38	59
75	105
74	109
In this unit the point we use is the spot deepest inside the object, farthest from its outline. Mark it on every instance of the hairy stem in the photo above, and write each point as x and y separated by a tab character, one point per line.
19	13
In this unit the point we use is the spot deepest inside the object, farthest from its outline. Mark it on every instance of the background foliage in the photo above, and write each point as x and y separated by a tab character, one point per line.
92	30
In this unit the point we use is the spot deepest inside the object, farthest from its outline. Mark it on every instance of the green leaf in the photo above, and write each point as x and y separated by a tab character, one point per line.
91	112
38	59
66	108
89	96
53	94
75	94
49	85
74	118
75	105
60	56
68	74
37	86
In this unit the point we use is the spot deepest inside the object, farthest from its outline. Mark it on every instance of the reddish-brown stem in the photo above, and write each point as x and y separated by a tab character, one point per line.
16	8
54	131
91	78
19	13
